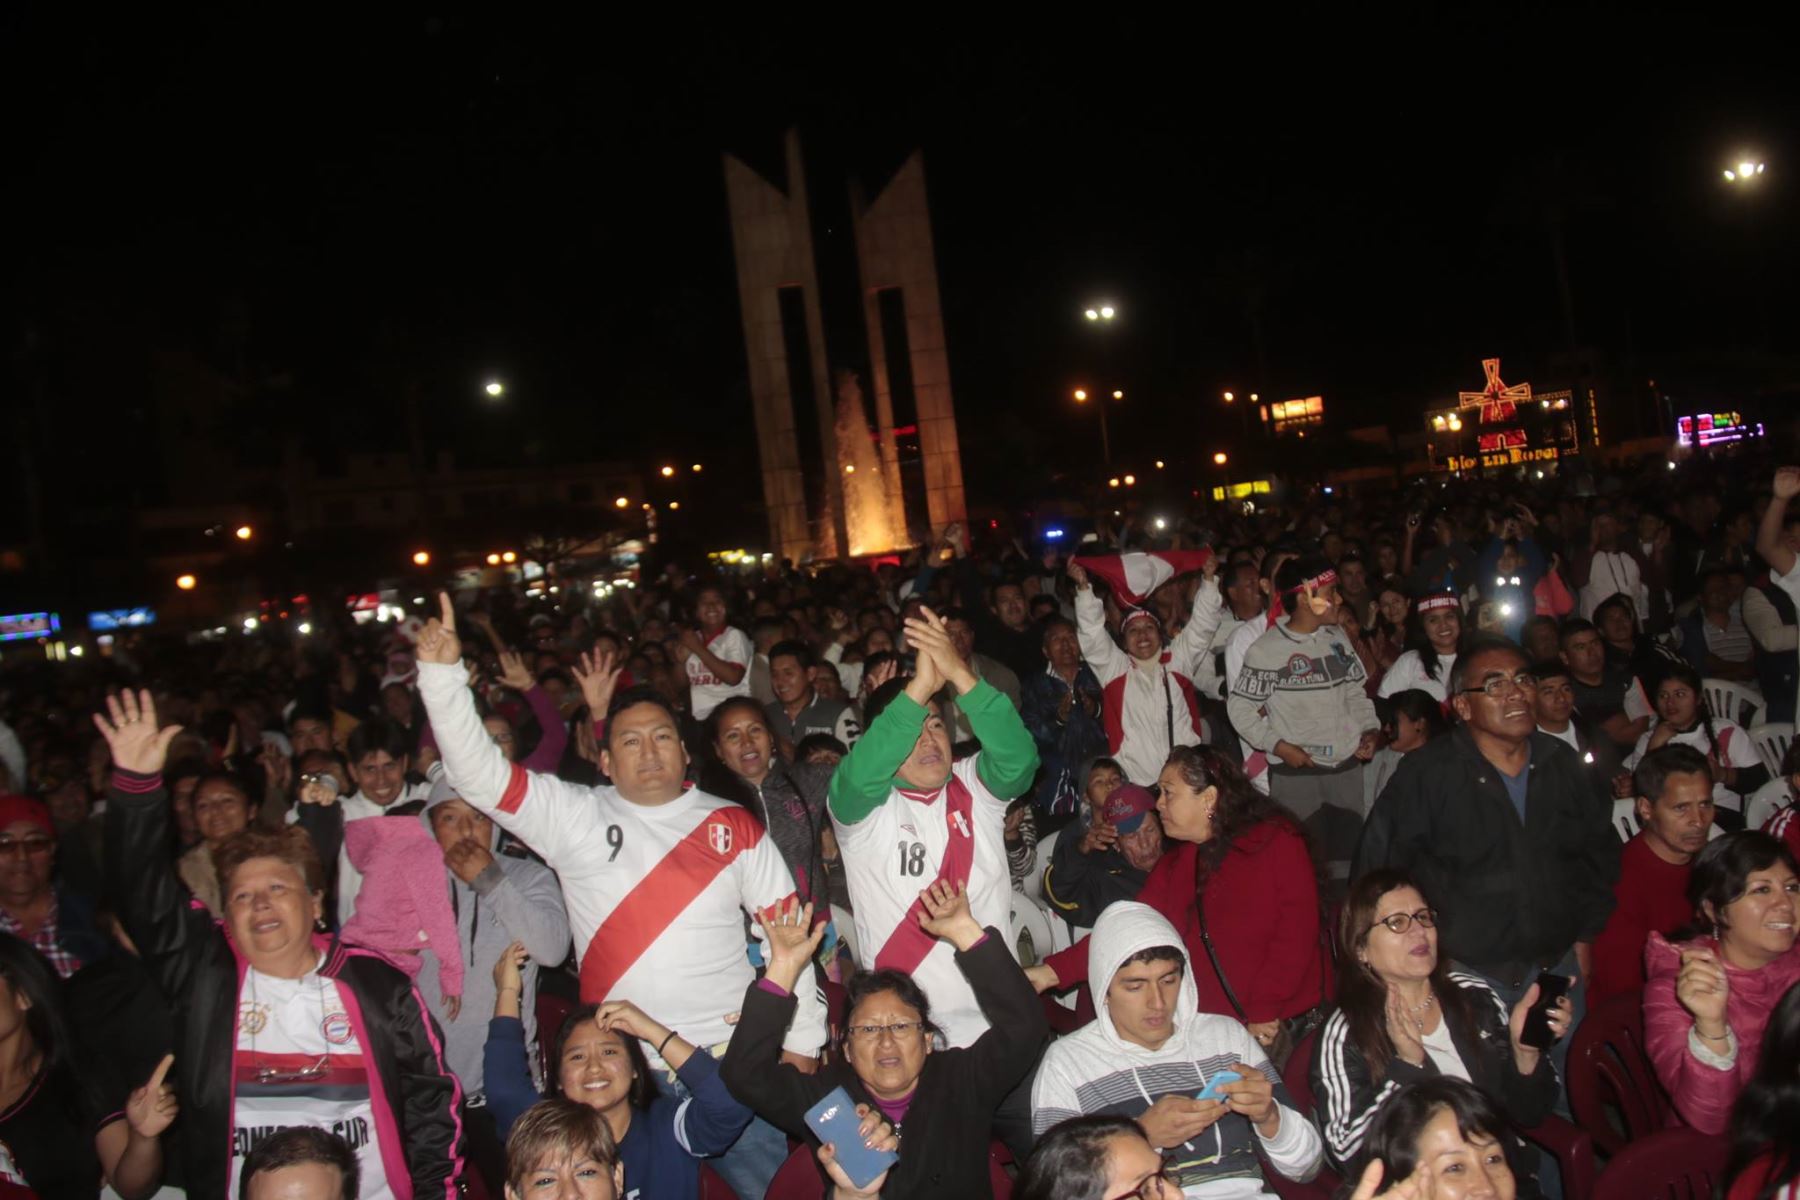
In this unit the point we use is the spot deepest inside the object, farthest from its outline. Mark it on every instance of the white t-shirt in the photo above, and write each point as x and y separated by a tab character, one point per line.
1789	583
1409	673
898	849
1567	735
1735	747
1442	1051
296	1025
707	691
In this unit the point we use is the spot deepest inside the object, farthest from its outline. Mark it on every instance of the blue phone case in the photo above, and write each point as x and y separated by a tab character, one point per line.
834	1120
1211	1091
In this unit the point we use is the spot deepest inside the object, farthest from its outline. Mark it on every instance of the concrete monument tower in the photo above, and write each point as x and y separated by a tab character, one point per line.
827	490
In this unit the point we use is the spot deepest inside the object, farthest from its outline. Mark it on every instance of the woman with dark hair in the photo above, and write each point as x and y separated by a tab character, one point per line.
1685	719
1238	881
715	655
1387	628
1713	985
1095	1158
279	1025
599	1062
1445	1137
1765	1151
789	799
891	1064
222	805
1434	631
54	1135
1403	1016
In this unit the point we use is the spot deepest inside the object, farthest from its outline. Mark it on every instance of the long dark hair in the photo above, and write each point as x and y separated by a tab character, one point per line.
1416	640
643	1085
1768	1109
1362	996
1394	1133
1240	806
717	779
1069	1161
1721	872
29	976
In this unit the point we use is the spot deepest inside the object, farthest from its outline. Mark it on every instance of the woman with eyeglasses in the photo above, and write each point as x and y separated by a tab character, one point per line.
1403	1016
939	1102
279	1025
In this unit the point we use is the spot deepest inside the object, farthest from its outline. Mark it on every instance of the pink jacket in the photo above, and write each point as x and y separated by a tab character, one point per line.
1550	597
404	903
1703	1094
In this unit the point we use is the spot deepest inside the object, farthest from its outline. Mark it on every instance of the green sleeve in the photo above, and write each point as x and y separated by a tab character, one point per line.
1009	756
864	778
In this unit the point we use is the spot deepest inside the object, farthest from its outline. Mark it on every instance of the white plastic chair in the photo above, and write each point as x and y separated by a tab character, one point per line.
1761	804
1033	883
1733	701
846	931
1624	819
1029	916
1771	740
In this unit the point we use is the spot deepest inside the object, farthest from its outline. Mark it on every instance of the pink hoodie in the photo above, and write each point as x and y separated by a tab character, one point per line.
404	904
1704	1094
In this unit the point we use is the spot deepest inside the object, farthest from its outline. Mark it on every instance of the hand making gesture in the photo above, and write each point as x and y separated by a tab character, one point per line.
137	744
947	915
793	939
598	675
438	642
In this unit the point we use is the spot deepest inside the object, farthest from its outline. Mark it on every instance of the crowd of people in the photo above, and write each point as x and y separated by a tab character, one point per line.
632	897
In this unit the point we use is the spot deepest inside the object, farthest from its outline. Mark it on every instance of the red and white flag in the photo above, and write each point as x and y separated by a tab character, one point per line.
1132	577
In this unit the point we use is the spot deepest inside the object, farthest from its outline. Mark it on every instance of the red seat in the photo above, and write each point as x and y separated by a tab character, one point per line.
837	1011
552	1011
1674	1164
1296	1076
1573	1150
713	1186
1613	1089
799	1178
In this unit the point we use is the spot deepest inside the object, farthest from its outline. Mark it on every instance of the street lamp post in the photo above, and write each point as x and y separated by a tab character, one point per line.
1081	397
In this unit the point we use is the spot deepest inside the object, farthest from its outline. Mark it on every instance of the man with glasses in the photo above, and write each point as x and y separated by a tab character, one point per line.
58	923
1499	825
1200	1087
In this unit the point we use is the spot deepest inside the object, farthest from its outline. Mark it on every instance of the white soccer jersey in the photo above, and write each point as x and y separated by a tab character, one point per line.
707	691
1408	674
1735	747
889	858
654	892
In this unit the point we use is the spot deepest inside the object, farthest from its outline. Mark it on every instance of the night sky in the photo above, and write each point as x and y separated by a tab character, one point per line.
335	208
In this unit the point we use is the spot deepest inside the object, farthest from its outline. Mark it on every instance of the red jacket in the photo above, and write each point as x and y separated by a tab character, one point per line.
1262	912
1652	896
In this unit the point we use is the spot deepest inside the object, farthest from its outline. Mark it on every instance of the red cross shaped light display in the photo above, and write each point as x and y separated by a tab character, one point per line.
1497	401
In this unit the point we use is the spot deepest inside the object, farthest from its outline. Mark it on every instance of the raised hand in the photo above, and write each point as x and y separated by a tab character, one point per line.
1417	1186
882	672
928	634
793	940
1078	573
947	915
628	1018
1702	989
137	744
1561	1013
514	673
438	642
598	675
1787	483
153	1107
509	968
467	860
1099	836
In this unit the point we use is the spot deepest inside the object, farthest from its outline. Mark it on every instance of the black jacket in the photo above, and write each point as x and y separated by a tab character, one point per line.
1081	886
194	962
1512	895
1346	1094
948	1126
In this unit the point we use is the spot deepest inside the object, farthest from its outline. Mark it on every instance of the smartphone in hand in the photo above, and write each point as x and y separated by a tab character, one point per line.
1215	1087
1537	1033
834	1120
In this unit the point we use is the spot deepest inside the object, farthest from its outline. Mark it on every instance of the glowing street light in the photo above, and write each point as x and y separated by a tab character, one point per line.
622	502
1080	395
186	583
1118	395
1100	312
1229	397
1113	482
1131	481
1219	458
244	533
668	472
1159	464
509	557
495	388
696	468
493	560
674	506
421	558
1748	169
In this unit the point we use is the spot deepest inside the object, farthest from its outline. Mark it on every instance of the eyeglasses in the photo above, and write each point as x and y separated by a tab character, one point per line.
33	847
302	1075
1496	685
1401	922
897	1031
1165	1182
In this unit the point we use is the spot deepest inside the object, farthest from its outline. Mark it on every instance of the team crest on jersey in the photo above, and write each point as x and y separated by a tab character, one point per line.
962	824
718	835
909	829
336	1028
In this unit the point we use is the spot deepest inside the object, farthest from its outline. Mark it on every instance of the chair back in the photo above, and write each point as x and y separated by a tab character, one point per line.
837	1011
998	1180
1033	883
798	1178
1030	917
1613	1089
845	924
1296	1074
1771	740
713	1185
552	1011
1764	803
1674	1164
1733	701
1624	818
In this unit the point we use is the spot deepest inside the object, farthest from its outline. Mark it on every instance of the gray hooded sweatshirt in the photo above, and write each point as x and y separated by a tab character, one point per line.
1094	1070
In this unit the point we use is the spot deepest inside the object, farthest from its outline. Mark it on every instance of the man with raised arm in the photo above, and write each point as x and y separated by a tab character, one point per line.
1774	543
654	871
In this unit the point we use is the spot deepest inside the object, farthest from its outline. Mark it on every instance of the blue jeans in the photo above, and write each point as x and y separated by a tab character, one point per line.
1511	992
750	1165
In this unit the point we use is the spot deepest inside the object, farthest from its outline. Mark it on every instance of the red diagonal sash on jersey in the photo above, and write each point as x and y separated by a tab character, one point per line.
662	895
908	945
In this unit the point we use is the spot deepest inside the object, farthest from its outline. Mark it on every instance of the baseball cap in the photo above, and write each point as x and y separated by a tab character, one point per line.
1125	809
29	809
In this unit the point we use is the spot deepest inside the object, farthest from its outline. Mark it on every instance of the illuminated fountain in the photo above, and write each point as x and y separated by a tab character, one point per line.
872	511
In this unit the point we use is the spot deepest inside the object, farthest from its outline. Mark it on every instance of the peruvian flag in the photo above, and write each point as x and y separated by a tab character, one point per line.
1132	577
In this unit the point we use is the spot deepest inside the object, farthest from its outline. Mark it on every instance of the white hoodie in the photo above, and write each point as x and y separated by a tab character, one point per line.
1094	1070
